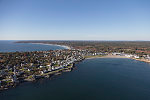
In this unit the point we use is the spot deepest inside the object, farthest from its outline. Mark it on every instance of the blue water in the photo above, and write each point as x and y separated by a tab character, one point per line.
93	79
11	46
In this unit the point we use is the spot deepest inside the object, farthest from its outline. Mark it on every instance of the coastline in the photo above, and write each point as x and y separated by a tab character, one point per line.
143	60
115	56
64	46
40	71
43	76
106	56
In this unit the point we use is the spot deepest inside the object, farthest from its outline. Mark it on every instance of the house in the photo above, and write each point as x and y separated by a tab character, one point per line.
148	57
41	66
14	79
52	68
49	69
137	57
41	72
29	70
129	55
115	53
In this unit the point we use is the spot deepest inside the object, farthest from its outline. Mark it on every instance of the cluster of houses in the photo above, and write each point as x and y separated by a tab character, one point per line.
25	66
17	67
126	55
147	57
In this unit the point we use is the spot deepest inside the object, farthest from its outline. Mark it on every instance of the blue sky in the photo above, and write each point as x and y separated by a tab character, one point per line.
74	19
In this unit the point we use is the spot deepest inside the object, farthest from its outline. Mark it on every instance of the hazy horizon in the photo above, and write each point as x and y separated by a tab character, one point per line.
76	40
102	20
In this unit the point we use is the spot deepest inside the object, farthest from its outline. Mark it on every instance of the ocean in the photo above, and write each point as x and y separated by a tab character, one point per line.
11	46
92	79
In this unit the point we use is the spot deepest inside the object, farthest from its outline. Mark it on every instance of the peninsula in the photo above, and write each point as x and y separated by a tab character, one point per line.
18	67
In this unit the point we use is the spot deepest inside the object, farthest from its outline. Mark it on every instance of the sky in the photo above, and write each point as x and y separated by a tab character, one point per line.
74	19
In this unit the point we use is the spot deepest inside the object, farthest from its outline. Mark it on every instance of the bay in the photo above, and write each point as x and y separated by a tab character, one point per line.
92	79
11	46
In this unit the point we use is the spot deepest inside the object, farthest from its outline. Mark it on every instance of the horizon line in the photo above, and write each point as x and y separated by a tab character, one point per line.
74	40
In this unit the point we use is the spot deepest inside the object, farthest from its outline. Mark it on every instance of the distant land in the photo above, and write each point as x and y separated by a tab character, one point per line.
17	67
138	47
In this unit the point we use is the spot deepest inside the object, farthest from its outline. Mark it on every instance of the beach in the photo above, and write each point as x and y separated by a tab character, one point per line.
106	56
64	46
117	56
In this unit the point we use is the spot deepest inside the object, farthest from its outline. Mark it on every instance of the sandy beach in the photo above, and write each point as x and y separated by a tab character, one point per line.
64	46
115	56
107	56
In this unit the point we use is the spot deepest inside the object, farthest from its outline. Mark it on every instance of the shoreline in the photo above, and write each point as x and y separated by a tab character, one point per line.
106	56
115	56
44	76
64	46
67	69
143	60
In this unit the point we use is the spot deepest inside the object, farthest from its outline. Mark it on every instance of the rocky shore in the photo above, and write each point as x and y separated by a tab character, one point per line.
46	75
18	67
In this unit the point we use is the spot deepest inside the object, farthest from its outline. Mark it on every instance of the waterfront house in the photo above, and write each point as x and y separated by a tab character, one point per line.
148	57
49	69
128	55
53	68
14	79
137	57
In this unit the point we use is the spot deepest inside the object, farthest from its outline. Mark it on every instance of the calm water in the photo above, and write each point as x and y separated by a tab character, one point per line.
10	46
94	79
